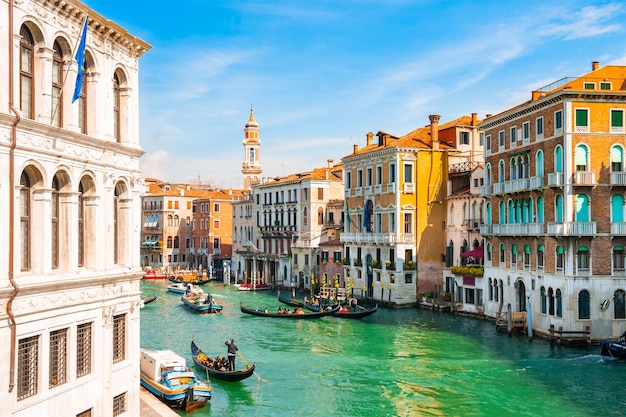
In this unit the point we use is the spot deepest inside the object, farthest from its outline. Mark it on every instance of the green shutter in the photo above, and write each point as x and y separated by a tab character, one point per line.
559	250
581	117
489	247
617	118
527	249
514	248
540	248
618	248
583	249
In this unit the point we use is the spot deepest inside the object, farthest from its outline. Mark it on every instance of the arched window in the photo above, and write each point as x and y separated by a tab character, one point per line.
502	213
584	301
511	212
170	242
27	73
581	158
540	210
618	260
617	208
513	169
490	289
583	211
560	260
488	174
57	85
305	217
558	209
558	159
85	94
539	164
54	220
544	304
176	242
582	260
550	302
617	159
489	252
502	254
559	303
170	220
501	177
117	102
540	258
619	304
25	193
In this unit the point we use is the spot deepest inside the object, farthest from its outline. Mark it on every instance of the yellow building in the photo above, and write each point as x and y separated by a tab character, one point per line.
395	190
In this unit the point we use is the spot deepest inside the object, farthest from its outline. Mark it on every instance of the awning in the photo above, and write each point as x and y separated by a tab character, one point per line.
478	252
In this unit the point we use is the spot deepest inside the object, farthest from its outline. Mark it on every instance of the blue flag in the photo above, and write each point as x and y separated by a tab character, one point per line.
80	60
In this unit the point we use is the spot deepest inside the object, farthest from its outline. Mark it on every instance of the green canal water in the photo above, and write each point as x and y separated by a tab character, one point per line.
395	363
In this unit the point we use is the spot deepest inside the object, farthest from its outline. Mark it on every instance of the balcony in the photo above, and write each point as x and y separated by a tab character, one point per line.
618	178
486	190
486	229
555	179
409	188
498	188
473	224
572	229
391	187
536	183
618	228
517	229
378	189
585	178
520	184
376	238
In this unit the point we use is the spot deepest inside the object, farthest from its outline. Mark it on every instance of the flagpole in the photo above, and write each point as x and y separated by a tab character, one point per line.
67	73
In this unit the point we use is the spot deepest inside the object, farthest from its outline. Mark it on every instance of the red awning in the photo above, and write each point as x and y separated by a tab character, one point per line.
478	252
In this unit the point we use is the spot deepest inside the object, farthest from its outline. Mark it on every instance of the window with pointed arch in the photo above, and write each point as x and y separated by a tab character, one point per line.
617	159
54	220
544	300
584	304
176	242
582	260
170	242
502	254
27	72
619	304
540	258
559	303
560	260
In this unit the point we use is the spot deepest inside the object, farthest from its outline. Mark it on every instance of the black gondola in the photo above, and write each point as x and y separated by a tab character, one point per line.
148	300
189	281
303	315
231	376
290	301
613	349
359	314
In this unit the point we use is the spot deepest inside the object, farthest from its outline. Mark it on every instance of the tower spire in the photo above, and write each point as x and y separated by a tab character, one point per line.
251	167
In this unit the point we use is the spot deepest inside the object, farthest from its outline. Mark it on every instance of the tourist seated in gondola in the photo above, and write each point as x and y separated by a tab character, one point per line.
298	311
280	310
265	311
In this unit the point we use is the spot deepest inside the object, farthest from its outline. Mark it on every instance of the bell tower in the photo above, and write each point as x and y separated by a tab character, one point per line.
251	167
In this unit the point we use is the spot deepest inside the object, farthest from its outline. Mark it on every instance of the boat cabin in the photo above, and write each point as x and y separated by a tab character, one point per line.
154	363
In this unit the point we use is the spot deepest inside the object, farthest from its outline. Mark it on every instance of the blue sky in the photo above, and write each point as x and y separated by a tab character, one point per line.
321	74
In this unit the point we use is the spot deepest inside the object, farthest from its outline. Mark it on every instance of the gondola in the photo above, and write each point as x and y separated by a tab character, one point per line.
290	301
148	300
615	350
311	315
359	314
189	281
232	376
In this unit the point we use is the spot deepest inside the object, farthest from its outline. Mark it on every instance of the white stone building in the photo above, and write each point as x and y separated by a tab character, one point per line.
70	193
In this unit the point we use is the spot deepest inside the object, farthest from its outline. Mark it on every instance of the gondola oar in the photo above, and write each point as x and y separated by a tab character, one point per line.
248	365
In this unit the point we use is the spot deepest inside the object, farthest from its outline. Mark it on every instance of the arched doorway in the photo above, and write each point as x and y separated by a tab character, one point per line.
520	296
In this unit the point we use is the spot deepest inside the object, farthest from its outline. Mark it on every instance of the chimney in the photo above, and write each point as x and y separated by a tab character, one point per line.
355	148
370	138
434	131
488	115
474	119
595	65
330	162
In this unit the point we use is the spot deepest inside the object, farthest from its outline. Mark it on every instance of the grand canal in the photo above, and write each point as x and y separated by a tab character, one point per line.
395	363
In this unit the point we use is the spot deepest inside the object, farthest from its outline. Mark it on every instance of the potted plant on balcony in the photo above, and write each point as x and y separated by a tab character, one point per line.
389	265
408	265
376	264
345	261
472	270
357	262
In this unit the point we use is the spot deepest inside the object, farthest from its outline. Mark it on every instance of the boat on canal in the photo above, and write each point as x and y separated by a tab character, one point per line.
166	375
177	288
253	287
360	313
192	277
613	349
209	366
302	315
290	301
154	274
199	303
148	300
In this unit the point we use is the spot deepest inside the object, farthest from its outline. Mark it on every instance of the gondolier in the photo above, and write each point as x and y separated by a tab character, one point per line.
232	351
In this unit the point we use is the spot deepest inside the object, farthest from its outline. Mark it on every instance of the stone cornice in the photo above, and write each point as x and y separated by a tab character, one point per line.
75	10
